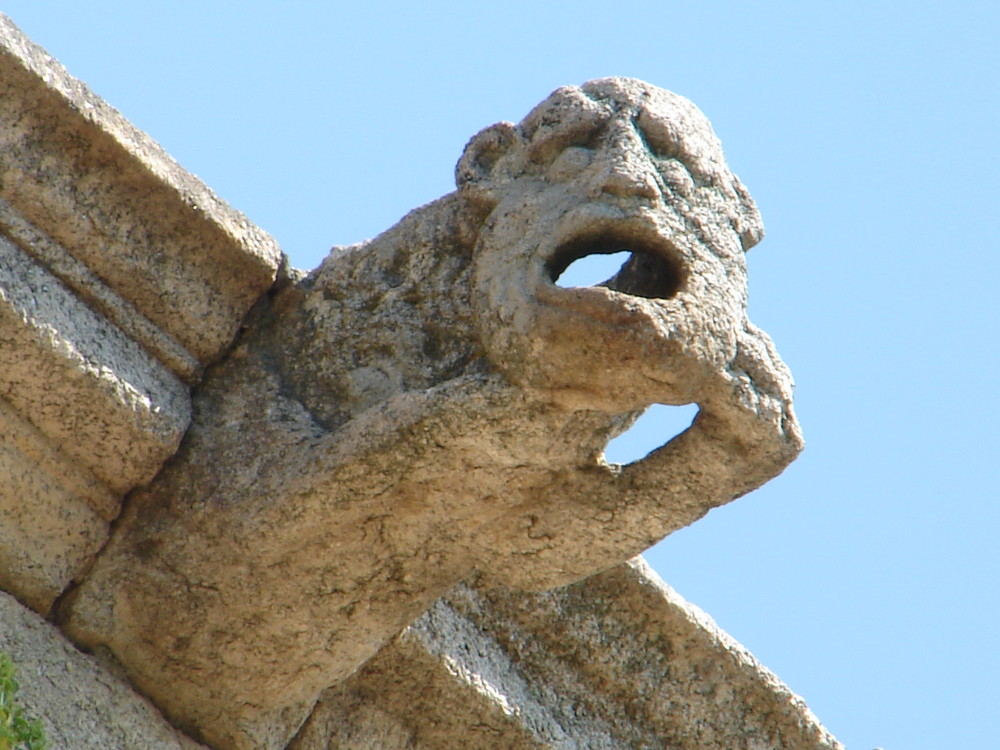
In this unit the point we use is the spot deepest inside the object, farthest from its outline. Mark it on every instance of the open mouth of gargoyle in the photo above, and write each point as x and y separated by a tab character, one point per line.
651	270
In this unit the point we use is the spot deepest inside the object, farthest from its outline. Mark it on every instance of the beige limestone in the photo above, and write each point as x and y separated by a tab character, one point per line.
616	661
55	515
99	397
113	199
425	408
82	704
429	405
121	278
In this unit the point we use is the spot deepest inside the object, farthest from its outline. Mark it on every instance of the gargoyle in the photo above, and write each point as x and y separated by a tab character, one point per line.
430	405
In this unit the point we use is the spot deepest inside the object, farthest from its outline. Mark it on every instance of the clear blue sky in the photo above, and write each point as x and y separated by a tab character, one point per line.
866	575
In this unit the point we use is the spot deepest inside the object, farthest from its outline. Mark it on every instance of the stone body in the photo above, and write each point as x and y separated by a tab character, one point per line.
430	405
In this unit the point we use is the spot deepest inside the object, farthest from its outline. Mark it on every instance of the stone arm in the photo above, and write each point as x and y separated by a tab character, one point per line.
595	517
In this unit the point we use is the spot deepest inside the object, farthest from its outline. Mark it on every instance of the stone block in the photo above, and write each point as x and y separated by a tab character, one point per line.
99	397
618	660
55	514
83	704
121	278
107	194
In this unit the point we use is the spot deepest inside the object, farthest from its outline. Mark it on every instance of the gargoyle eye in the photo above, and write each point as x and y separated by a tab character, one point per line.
570	162
662	150
658	136
547	145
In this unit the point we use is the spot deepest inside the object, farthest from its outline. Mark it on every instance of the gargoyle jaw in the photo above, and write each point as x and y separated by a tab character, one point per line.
640	337
647	335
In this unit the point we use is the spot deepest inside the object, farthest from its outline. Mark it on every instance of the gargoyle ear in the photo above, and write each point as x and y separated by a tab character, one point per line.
474	171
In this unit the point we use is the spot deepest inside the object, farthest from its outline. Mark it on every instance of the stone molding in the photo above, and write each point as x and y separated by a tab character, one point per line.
121	277
86	178
619	660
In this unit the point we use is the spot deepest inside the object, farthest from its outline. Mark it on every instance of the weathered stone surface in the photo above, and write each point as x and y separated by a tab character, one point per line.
98	396
616	661
110	197
121	277
55	515
430	403
82	704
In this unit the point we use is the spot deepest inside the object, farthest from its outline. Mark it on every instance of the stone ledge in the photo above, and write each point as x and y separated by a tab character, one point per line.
85	415
106	192
93	391
55	514
97	295
121	277
618	660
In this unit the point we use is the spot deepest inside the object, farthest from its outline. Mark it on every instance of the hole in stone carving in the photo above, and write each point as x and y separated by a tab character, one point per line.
658	425
592	270
641	271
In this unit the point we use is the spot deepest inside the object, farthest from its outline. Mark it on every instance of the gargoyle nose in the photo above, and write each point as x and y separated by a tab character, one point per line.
627	170
625	178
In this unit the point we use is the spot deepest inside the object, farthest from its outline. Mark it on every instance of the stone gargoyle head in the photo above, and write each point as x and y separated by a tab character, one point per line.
430	406
614	165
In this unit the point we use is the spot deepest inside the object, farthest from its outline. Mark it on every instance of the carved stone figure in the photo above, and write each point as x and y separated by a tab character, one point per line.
429	406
